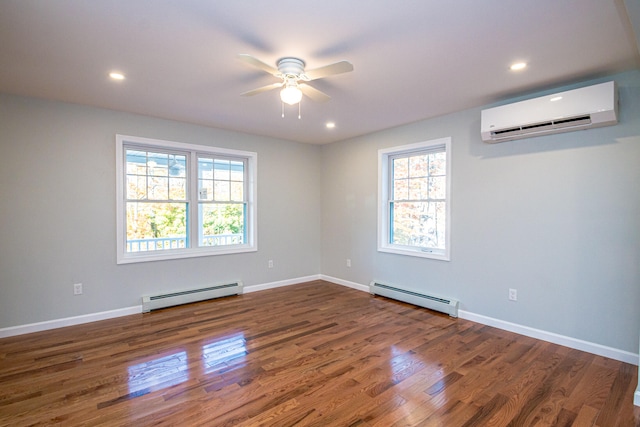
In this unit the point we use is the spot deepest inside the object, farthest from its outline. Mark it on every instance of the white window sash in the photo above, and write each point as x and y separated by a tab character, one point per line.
385	194
124	142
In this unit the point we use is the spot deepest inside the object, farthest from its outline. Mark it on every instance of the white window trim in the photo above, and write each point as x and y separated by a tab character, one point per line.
122	257
383	198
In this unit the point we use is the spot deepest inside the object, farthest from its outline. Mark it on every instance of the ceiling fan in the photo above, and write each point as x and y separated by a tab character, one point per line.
293	78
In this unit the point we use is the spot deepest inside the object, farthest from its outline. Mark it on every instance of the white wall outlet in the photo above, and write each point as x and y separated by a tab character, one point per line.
348	262
77	288
513	295
270	263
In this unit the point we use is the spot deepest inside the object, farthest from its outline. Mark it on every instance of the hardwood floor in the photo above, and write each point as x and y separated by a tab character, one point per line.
314	354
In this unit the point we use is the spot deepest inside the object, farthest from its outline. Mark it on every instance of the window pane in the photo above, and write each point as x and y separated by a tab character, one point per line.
222	223
158	164
156	226
401	189
156	176
222	191
237	171
419	224
438	187
205	168
177	166
177	188
418	188
438	164
418	166
221	169
237	191
205	190
136	162
400	168
136	187
158	188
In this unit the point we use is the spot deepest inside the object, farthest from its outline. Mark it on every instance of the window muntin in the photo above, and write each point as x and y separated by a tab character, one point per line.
414	199
180	200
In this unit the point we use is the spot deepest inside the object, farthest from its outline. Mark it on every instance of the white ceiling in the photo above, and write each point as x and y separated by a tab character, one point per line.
413	59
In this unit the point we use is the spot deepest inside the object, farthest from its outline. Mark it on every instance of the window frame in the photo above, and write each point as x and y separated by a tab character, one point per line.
385	186
193	152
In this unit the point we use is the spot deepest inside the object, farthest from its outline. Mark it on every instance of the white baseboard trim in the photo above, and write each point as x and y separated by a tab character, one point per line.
93	317
278	284
575	343
68	321
589	347
353	285
578	344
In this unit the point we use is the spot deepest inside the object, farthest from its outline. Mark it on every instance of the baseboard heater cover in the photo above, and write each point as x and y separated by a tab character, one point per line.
155	302
432	302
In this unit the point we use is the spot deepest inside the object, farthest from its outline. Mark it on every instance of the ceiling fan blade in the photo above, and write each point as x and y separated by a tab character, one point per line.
330	70
262	89
313	93
255	62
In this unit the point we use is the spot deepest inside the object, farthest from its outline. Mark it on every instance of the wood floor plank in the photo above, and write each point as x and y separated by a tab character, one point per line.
313	354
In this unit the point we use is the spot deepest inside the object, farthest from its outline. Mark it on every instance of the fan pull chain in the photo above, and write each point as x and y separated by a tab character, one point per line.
299	111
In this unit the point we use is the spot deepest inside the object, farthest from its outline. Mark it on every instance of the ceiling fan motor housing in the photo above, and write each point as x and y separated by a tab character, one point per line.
291	67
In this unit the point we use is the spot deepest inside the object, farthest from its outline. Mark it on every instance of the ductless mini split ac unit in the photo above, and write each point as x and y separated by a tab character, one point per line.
584	108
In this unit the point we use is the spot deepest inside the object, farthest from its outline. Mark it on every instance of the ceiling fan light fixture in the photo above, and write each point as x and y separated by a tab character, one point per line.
291	95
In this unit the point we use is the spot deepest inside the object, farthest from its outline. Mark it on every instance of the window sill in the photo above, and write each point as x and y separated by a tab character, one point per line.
441	256
165	255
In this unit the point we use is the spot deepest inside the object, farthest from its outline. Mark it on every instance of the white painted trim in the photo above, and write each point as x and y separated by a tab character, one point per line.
278	284
68	321
589	347
575	343
93	317
636	396
357	286
384	156
190	151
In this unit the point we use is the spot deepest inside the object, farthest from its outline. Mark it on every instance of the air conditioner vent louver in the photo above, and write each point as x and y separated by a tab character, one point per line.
552	124
584	108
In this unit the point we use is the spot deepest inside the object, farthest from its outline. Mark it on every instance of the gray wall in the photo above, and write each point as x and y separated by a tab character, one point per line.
57	210
556	217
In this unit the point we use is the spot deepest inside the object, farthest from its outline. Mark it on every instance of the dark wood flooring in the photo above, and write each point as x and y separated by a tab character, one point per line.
314	354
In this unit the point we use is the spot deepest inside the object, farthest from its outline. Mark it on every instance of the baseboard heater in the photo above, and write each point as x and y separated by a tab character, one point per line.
154	302
432	302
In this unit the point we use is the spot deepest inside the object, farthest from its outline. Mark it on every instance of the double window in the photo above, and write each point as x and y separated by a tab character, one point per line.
414	194
180	200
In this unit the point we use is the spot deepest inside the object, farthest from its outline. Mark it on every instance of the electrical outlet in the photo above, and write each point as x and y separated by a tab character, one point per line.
77	288
270	263
513	295
348	262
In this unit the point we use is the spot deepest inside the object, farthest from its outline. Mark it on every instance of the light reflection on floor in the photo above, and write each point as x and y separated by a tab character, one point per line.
173	369
159	373
432	382
217	354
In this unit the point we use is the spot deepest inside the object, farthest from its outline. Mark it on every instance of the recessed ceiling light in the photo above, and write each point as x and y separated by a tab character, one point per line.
116	76
555	98
518	66
330	125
